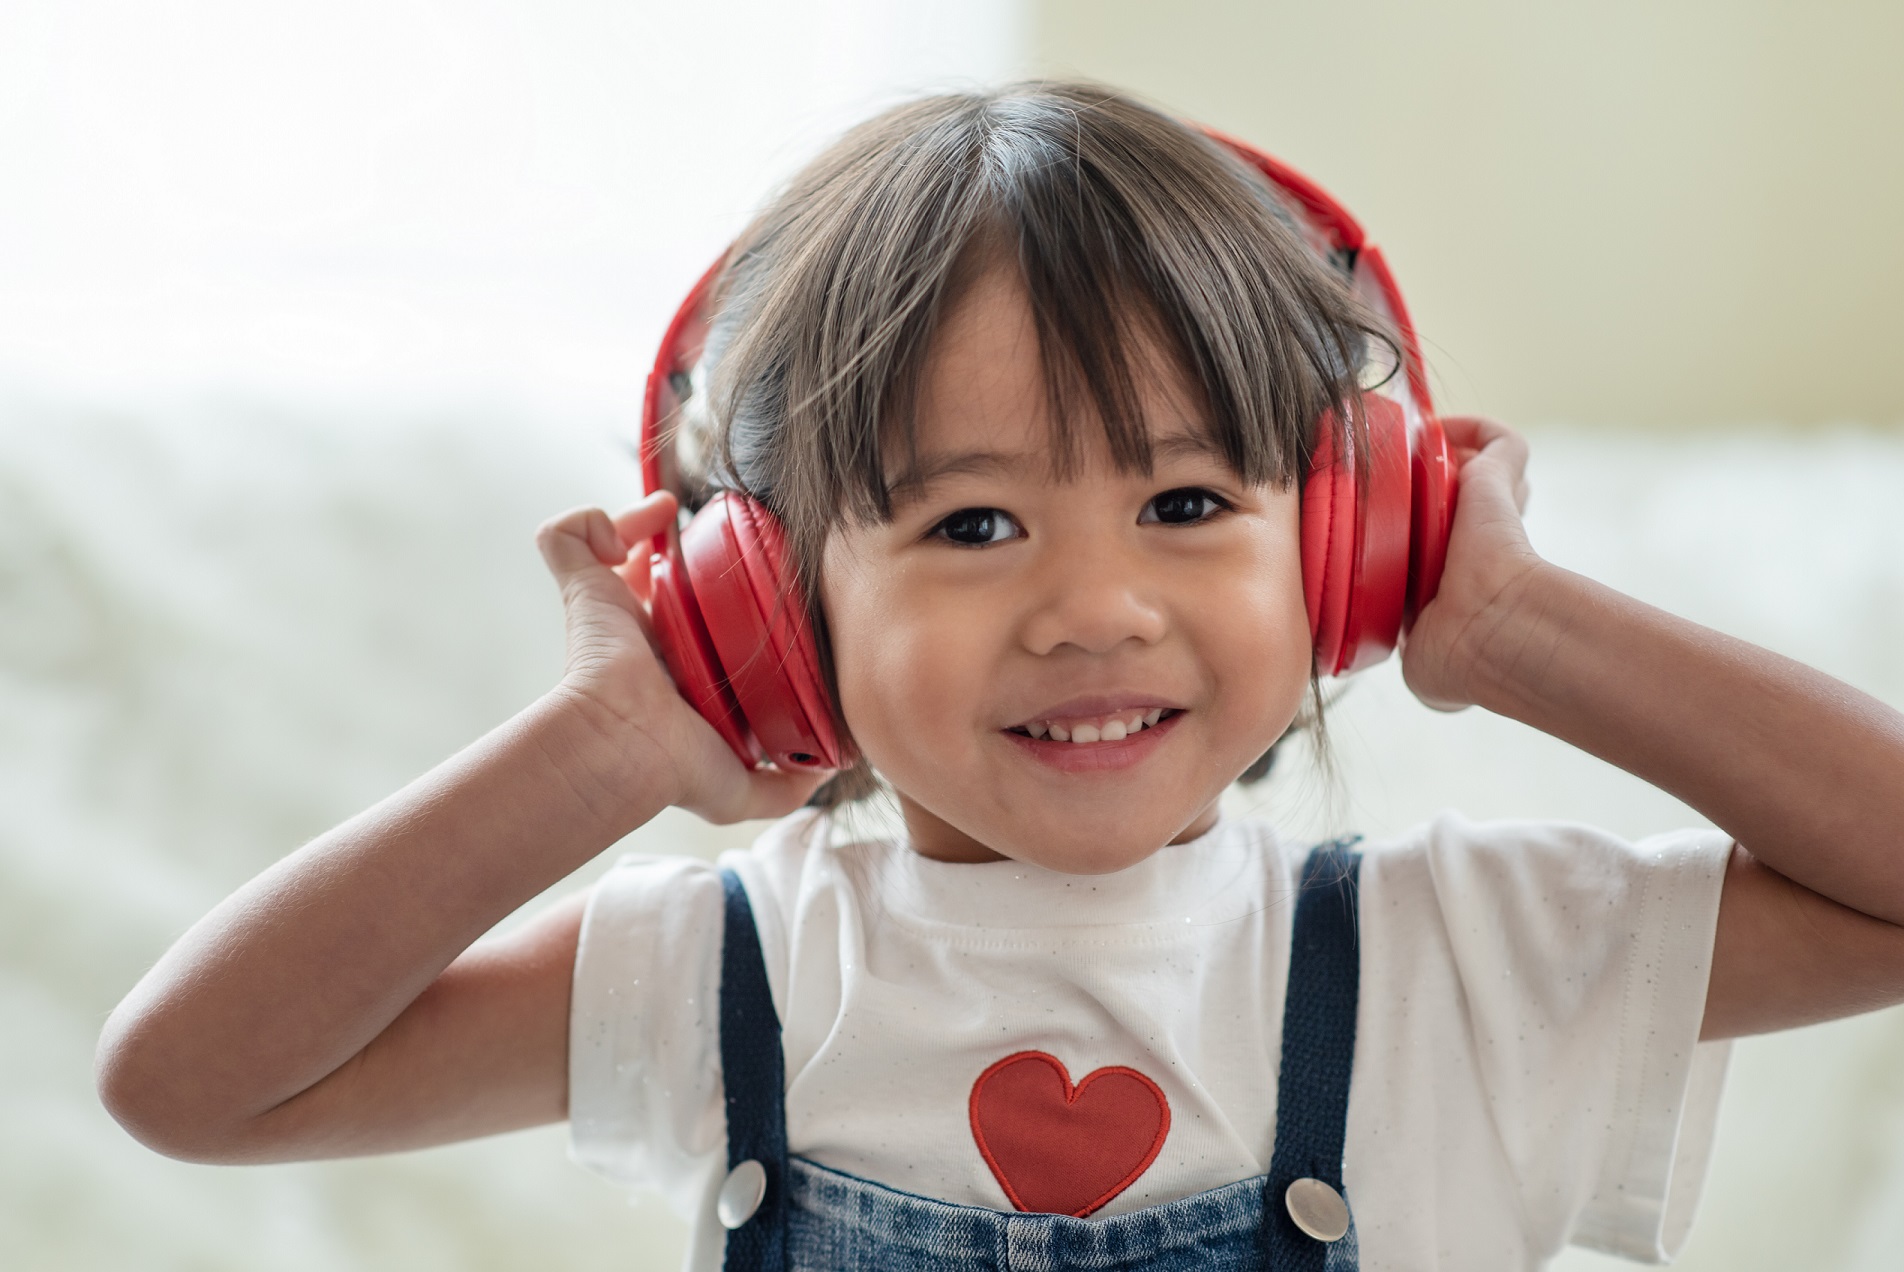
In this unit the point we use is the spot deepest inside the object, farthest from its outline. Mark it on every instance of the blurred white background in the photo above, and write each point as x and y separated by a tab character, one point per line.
484	197
309	314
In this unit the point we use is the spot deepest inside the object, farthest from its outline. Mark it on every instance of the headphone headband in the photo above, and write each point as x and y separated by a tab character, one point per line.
1326	225
1374	526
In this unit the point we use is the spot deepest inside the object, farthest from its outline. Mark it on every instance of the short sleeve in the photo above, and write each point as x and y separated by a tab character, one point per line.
1583	961
644	1029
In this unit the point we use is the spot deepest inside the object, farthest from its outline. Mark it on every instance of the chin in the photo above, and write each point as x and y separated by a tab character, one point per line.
1088	851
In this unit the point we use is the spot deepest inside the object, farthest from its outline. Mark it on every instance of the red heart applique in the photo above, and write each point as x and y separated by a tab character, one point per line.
1065	1150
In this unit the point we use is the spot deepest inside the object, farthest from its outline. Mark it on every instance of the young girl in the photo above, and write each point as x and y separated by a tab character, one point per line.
1037	384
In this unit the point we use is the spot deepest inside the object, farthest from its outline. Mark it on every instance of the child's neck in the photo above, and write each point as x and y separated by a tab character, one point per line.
932	836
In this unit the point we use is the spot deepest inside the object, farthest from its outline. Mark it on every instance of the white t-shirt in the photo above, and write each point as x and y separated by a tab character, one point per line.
1526	1066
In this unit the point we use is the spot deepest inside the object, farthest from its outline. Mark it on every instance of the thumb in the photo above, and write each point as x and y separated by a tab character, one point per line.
770	792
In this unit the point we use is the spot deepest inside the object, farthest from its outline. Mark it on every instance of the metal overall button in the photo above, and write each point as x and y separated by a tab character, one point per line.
741	1194
1317	1209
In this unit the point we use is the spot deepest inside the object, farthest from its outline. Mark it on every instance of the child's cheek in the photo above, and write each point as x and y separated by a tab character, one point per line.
890	642
1256	630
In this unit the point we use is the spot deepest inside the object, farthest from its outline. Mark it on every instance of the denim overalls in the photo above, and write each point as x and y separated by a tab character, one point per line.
787	1214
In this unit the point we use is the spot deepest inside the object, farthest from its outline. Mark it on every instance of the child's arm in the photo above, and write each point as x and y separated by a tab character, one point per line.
333	1005
1805	773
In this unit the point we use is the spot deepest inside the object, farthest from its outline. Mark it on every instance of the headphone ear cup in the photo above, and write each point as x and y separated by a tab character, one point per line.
1431	515
737	562
1355	540
1328	543
688	650
1379	585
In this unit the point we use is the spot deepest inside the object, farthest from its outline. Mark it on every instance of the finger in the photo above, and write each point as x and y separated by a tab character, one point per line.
1510	449
1474	431
604	540
638	573
1472	435
776	792
646	518
639	581
579	539
637	524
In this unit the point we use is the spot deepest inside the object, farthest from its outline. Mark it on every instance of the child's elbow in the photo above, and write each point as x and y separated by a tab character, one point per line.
150	1097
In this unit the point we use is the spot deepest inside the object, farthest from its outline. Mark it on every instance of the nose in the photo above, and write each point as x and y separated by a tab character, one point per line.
1093	594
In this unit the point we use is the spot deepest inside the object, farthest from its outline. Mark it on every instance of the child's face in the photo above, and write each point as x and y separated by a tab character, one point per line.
1000	603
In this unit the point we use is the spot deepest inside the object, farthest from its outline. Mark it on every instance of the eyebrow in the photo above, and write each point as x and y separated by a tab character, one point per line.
918	479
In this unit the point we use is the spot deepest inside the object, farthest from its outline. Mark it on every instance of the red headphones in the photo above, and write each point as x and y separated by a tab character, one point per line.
733	628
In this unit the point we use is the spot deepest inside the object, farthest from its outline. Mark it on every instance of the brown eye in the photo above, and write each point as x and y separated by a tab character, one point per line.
1183	506
976	527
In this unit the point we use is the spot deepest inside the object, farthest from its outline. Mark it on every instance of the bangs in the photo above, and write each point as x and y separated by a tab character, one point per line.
1134	238
1140	242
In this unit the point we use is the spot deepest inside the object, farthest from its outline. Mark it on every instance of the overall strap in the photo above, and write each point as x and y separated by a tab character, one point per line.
1312	1098
753	1076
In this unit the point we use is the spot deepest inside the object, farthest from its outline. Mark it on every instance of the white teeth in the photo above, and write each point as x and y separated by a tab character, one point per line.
1115	729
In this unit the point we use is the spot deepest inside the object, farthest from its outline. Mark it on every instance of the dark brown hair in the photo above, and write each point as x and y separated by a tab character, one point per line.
1126	227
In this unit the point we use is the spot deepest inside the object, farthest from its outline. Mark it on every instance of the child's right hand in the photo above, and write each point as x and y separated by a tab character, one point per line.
1445	655
615	676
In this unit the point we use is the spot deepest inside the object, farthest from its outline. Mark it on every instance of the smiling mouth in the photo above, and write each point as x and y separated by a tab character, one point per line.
1112	727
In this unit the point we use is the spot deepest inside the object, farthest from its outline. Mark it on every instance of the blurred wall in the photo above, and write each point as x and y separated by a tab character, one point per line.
378	197
1656	214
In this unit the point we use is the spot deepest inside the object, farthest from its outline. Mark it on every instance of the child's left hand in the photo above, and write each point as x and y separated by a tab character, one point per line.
1488	559
1805	773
